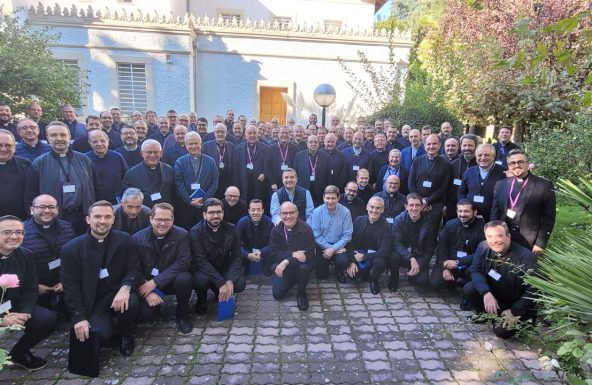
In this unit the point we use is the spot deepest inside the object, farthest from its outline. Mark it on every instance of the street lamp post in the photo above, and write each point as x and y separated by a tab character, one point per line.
324	95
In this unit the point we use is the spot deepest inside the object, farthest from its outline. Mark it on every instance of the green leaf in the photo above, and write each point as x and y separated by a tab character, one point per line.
573	380
588	80
577	352
587	99
564	349
519	61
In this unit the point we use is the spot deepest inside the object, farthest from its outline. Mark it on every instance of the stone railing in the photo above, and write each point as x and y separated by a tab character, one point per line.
206	23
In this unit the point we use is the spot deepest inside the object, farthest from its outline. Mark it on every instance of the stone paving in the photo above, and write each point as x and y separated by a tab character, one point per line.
348	336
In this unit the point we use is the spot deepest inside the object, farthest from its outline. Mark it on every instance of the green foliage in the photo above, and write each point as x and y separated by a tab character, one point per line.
30	73
562	152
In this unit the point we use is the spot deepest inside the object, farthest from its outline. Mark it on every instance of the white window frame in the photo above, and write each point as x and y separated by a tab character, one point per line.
229	13
115	101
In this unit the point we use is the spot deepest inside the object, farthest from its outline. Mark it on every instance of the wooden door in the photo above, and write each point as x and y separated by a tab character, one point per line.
272	104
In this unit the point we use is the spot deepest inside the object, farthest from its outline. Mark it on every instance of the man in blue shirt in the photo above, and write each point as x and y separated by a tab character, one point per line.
29	147
332	227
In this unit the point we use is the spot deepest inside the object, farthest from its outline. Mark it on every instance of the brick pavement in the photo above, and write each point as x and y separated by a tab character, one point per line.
348	336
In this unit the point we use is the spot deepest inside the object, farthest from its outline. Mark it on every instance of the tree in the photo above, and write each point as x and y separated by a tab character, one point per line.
30	73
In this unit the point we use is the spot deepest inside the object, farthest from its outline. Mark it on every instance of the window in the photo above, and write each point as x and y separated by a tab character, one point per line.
133	95
229	16
332	24
283	21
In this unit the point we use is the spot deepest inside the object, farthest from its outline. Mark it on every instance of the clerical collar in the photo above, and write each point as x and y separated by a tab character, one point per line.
63	155
214	229
469	223
160	238
5	256
2	163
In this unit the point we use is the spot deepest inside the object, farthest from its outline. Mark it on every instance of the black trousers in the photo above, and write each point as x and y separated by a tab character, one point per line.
201	284
53	301
181	287
437	282
102	318
396	262
433	218
321	264
476	300
296	273
38	327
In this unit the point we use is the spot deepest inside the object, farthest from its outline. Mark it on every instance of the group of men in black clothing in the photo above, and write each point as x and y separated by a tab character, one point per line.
170	234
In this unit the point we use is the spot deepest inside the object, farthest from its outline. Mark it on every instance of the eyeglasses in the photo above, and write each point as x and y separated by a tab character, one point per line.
217	212
43	208
9	233
162	220
517	163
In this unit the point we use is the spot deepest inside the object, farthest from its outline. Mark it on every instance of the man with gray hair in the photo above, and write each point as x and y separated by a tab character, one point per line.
152	176
131	215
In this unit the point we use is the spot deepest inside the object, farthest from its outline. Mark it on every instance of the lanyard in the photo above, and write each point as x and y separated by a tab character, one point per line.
286	234
66	173
513	202
221	153
284	156
313	167
249	152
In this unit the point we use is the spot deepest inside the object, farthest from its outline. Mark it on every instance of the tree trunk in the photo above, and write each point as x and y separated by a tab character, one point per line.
519	130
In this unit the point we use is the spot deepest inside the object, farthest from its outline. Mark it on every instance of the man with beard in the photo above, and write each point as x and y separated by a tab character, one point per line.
526	203
249	167
6	119
393	168
100	274
130	149
280	157
221	150
479	182
312	167
349	199
371	244
403	138
216	256
457	243
468	144
66	175
45	235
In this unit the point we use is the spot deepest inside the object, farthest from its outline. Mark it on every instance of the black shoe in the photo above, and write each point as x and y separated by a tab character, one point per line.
127	346
393	284
28	361
201	307
341	277
184	325
374	287
302	302
465	305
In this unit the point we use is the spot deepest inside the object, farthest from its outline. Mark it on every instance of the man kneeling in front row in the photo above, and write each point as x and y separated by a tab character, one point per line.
100	274
497	273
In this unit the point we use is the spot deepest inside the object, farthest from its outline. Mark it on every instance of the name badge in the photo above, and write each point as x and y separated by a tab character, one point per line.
155	196
250	166
461	254
370	251
478	199
511	214
221	165
69	188
355	168
5	307
494	274
457	182
54	264
312	178
195	186
390	220
103	273
498	162
427	183
331	172
284	167
154	272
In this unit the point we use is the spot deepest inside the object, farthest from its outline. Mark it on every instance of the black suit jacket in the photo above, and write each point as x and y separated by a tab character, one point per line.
535	210
471	186
337	169
273	165
302	167
403	178
139	177
80	269
225	173
240	176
